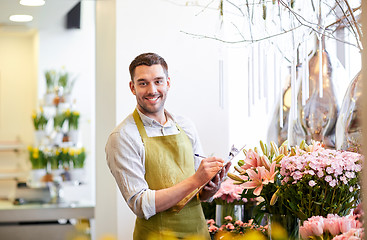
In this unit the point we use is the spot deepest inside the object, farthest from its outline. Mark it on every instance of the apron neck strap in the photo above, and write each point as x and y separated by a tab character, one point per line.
141	128
140	125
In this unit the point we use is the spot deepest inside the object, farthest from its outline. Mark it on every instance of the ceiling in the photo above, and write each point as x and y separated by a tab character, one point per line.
53	11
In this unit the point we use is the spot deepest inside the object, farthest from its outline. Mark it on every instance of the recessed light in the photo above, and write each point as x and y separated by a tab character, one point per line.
32	2
21	18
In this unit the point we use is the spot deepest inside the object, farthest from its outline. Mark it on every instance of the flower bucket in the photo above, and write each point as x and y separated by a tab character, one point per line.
39	137
236	211
74	136
58	138
283	227
36	176
49	98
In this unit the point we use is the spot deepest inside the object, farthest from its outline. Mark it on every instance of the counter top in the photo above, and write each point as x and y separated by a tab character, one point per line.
44	212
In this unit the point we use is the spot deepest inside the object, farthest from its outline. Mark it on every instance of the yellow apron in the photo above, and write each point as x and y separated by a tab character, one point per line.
168	161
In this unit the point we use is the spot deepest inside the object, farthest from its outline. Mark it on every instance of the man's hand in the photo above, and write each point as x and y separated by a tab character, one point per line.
169	197
213	186
207	169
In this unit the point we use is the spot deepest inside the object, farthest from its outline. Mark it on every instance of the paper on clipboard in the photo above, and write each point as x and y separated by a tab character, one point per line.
180	205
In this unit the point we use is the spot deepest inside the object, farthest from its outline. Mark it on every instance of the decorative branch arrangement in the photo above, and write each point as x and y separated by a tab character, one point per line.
269	19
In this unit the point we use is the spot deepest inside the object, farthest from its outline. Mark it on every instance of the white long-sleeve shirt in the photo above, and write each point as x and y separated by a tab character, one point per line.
125	156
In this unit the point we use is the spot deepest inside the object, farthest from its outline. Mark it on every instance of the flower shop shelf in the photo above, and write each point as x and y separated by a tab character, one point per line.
12	147
40	221
13	175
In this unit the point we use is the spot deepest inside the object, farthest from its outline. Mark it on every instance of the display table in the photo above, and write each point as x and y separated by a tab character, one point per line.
42	221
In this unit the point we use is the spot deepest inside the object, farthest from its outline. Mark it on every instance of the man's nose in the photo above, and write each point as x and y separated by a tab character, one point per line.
152	88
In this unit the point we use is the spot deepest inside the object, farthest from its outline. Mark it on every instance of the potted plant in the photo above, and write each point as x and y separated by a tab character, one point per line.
59	120
78	156
50	77
72	118
39	163
66	84
73	123
39	122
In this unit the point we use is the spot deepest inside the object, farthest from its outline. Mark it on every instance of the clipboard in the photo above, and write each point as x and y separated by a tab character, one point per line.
181	204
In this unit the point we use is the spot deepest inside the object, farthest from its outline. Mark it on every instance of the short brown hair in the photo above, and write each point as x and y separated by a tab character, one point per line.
147	59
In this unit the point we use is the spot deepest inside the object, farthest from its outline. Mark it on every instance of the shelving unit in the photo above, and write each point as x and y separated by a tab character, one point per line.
57	148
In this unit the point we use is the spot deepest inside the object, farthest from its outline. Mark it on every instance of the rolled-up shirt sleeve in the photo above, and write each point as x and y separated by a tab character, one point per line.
125	158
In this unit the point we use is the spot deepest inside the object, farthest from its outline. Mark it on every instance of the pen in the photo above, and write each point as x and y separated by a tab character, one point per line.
198	155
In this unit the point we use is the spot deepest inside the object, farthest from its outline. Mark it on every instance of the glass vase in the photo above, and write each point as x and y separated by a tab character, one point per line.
283	227
349	125
317	117
236	211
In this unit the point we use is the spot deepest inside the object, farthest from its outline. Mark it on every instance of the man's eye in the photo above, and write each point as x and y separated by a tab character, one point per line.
159	82
142	84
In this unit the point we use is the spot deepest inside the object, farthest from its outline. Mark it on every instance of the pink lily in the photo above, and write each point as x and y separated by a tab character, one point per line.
256	180
252	160
269	176
265	162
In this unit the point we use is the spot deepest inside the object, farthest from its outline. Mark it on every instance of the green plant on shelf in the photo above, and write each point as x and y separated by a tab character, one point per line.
79	158
63	157
73	119
59	120
39	120
65	82
37	158
50	76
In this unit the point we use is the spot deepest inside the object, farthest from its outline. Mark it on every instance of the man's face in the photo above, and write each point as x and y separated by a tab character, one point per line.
150	86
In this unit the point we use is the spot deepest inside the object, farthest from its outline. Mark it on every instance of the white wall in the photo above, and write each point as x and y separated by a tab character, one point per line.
74	49
192	62
154	26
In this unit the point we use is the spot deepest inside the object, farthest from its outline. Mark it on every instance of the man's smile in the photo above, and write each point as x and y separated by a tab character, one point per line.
152	99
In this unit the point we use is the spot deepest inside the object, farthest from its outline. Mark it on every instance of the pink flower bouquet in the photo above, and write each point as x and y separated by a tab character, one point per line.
229	193
236	227
317	181
332	227
260	178
230	203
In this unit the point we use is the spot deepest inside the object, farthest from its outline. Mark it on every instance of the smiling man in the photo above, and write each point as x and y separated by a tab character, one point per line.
151	156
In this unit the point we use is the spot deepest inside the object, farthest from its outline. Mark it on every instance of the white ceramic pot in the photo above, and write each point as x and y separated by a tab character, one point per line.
74	136
39	137
49	99
58	138
36	177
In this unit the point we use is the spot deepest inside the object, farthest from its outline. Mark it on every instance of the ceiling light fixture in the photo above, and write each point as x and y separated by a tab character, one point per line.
21	18
33	3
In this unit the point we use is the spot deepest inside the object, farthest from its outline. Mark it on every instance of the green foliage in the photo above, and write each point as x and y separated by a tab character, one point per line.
78	158
59	79
209	209
65	82
70	157
39	120
59	120
50	80
37	158
73	119
305	201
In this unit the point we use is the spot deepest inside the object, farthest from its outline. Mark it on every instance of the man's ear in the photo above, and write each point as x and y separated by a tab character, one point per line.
132	87
168	82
